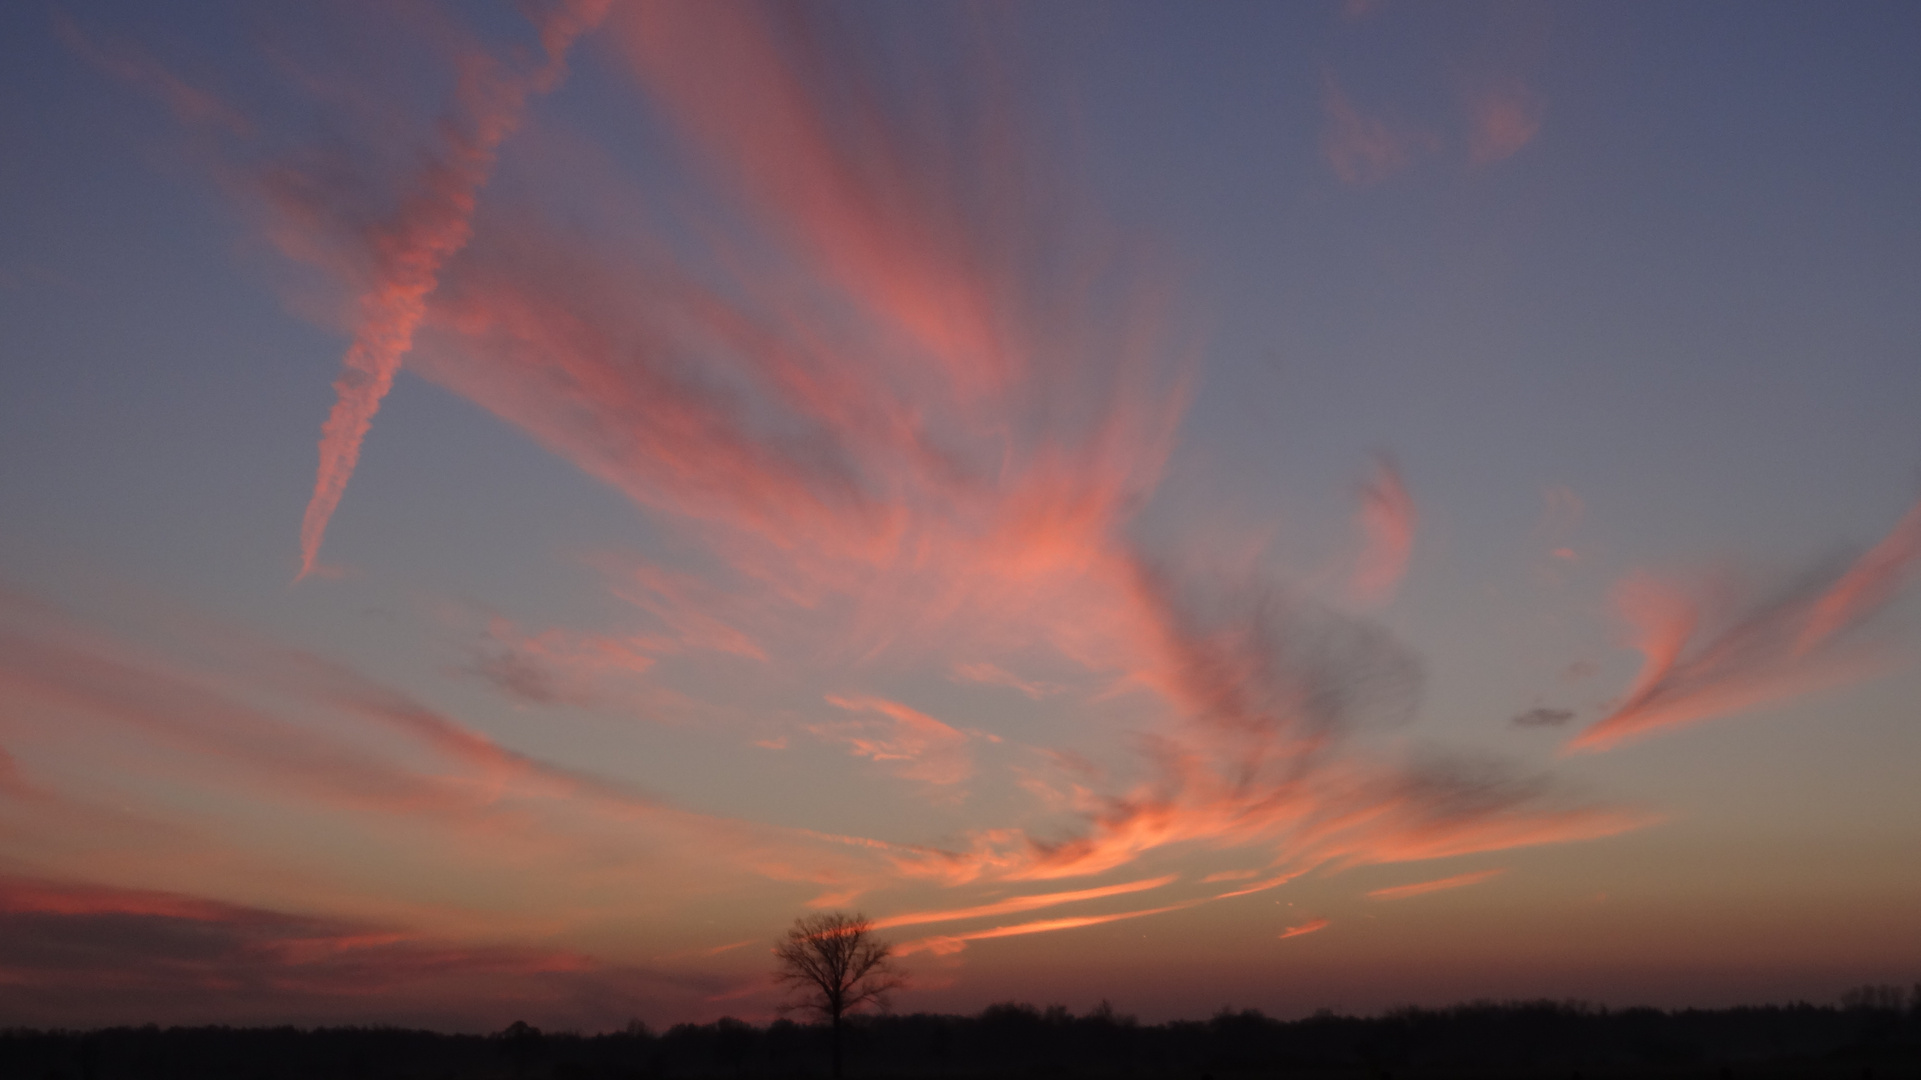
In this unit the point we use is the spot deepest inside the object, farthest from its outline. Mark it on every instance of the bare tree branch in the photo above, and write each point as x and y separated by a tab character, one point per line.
836	965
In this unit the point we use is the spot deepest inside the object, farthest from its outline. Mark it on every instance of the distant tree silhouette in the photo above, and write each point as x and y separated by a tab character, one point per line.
1476	1039
836	965
521	1042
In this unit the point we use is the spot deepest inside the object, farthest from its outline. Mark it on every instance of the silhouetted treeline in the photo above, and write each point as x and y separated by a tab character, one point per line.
1876	1033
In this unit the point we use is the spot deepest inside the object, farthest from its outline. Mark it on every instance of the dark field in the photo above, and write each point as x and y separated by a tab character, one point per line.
1880	1040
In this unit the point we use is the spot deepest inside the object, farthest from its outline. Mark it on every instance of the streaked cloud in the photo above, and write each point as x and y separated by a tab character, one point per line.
193	105
95	954
886	392
994	675
1388	521
1419	888
947	944
407	252
911	743
1021	903
1710	649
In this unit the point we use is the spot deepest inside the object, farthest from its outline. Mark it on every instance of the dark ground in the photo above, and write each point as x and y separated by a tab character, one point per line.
1876	1036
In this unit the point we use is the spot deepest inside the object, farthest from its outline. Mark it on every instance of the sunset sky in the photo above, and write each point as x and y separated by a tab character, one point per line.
505	506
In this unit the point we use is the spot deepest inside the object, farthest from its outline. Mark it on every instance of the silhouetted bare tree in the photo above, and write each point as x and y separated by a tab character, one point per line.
835	964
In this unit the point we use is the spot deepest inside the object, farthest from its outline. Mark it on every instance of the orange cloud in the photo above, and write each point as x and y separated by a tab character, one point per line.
917	746
994	675
753	97
905	401
1402	892
687	605
938	470
1021	903
1229	875
1268	687
478	799
1265	883
1305	928
952	943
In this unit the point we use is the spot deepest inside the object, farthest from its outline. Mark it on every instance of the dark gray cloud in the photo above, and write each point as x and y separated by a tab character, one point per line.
94	955
522	677
1543	717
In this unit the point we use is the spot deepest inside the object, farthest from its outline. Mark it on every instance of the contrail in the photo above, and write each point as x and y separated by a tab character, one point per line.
430	228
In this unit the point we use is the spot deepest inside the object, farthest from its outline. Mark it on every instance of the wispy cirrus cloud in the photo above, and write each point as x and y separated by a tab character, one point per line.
947	944
1271	688
905	397
1421	888
193	105
911	743
1362	147
988	674
1022	903
1710	650
1388	521
311	740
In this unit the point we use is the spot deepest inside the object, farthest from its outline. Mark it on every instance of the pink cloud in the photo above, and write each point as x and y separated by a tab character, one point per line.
1503	117
1388	520
904	401
192	105
904	404
434	222
1868	585
483	804
686	604
914	745
994	675
1707	652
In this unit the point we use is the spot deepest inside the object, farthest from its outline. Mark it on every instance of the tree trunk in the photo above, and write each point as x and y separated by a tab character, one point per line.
836	1044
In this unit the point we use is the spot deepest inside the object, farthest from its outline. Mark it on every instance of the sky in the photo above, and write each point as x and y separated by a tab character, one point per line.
504	507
